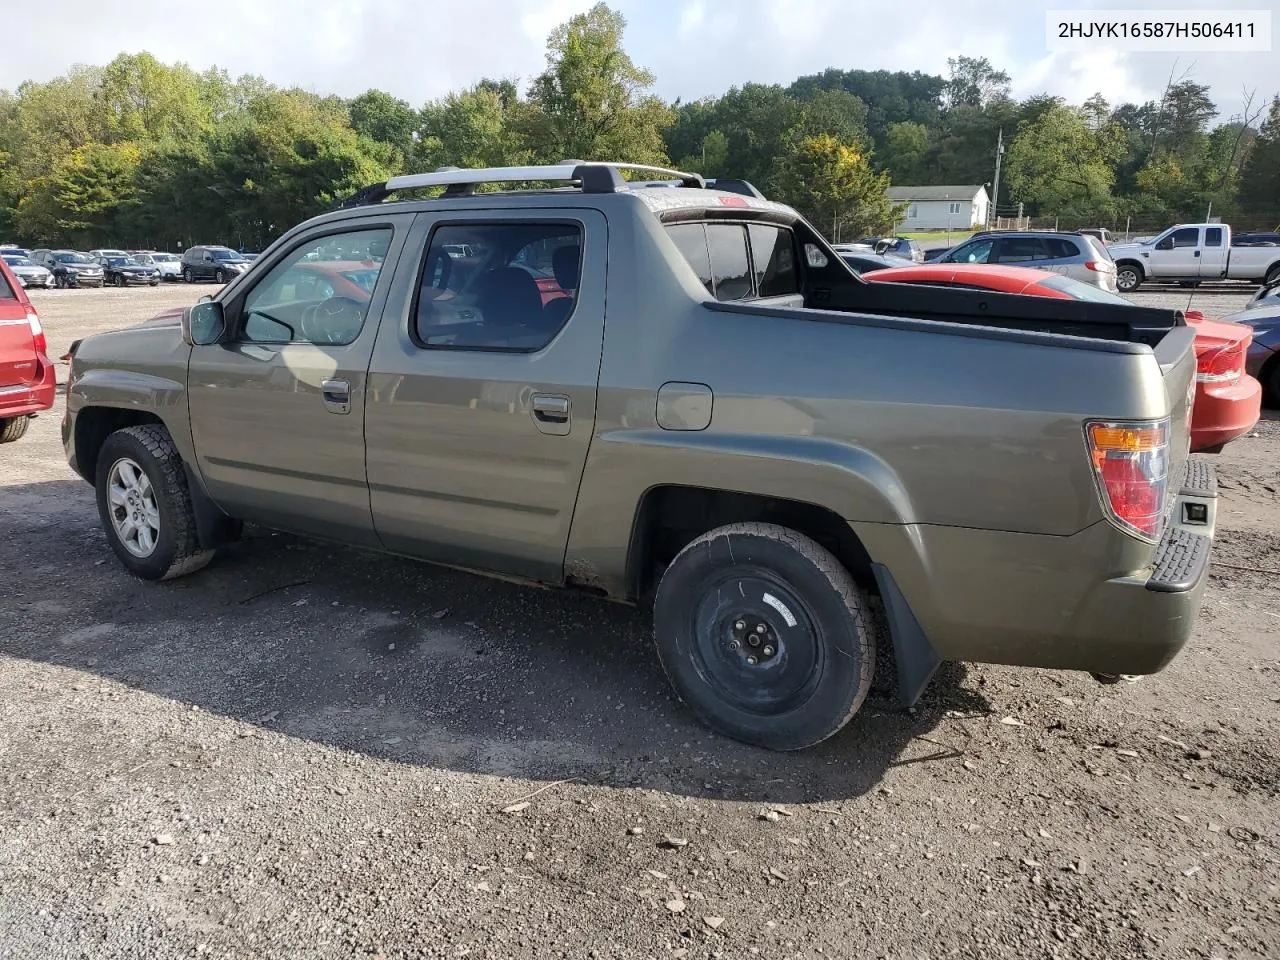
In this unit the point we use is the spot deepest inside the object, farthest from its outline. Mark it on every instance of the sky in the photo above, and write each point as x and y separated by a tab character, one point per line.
422	49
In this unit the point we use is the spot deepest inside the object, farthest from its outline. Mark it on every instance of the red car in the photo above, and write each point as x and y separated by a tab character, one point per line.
27	377
1228	400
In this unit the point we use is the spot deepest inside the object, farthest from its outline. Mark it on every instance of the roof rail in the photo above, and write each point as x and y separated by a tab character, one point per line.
461	182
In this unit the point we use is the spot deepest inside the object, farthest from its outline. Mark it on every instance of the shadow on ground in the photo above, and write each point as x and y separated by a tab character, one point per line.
411	662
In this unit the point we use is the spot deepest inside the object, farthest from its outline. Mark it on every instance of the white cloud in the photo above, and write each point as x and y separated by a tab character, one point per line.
419	49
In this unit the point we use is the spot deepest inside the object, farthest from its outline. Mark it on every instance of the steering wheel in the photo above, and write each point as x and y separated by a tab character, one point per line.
332	321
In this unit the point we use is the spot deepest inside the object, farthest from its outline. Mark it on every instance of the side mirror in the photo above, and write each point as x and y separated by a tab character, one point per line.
1165	244
204	323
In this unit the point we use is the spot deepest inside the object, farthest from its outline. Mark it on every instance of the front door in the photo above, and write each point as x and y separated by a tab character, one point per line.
277	412
482	398
1176	255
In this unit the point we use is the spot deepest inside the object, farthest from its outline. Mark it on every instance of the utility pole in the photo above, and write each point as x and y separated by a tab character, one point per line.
995	195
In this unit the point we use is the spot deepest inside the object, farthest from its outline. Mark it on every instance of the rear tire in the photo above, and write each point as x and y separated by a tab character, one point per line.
1272	277
765	636
1128	278
220	277
186	275
161	494
1270	378
12	428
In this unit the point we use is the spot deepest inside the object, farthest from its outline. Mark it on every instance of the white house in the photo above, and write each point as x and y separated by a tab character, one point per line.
942	208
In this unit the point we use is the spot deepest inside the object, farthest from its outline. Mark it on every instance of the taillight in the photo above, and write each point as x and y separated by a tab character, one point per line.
1131	464
37	332
1223	364
1100	266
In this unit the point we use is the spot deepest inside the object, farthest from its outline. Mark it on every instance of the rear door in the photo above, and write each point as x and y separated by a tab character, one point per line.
1213	252
18	364
481	399
277	412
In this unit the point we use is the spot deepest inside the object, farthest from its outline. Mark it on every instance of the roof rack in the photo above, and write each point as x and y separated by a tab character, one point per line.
461	182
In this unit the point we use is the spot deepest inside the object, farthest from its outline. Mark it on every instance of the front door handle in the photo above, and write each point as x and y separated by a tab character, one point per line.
336	395
551	413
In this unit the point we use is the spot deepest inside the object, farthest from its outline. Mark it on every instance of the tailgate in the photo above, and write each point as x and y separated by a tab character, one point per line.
1177	357
17	342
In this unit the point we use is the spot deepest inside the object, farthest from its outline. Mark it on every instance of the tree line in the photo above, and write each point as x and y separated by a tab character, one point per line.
145	153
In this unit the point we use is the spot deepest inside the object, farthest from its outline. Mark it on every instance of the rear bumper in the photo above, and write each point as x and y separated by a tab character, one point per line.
1098	601
22	399
1224	411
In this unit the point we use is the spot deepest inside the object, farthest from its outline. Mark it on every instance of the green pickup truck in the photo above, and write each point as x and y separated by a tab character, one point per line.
679	396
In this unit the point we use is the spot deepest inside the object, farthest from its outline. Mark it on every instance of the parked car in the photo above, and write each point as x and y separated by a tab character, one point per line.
219	264
1075	255
768	446
1268	295
1228	399
108	252
127	271
1098	233
1263	359
870	262
27	377
1193	253
27	271
69	268
13	250
901	247
168	265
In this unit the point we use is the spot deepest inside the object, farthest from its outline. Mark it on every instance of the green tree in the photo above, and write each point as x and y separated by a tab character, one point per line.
1062	166
905	152
141	99
473	128
974	82
86	195
1260	178
384	119
833	186
592	102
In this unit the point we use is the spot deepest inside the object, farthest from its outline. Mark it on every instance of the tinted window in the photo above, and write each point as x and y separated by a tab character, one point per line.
1060	248
508	286
691	240
1186	237
1020	250
308	298
6	291
1097	248
1213	237
774	259
727	246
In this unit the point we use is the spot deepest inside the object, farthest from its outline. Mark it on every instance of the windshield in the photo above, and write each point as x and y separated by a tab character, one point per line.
1082	291
18	262
72	258
230	255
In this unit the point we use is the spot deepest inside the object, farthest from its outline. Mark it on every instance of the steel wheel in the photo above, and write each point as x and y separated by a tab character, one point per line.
135	516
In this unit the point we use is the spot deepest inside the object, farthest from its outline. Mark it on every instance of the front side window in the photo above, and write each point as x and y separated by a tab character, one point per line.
310	298
977	252
498	286
1186	237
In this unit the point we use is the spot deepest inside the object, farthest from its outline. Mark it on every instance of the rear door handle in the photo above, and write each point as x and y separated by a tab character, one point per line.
551	413
336	395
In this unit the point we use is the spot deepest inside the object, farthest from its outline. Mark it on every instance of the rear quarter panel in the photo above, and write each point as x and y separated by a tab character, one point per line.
882	421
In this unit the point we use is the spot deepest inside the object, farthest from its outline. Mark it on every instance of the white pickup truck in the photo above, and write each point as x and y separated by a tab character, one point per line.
1191	253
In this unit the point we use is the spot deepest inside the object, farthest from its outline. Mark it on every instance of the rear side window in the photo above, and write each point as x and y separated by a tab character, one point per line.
691	240
6	291
773	260
727	245
1060	248
1020	250
1213	237
498	286
1097	248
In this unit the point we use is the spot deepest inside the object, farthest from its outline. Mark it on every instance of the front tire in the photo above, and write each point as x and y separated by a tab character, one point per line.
145	505
186	275
220	277
1272	277
13	428
1128	278
765	636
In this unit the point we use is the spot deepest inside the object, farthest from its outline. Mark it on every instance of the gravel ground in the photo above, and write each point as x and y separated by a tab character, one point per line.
307	751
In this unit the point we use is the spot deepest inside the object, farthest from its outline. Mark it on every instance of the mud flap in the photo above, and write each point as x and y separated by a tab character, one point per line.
914	655
213	527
